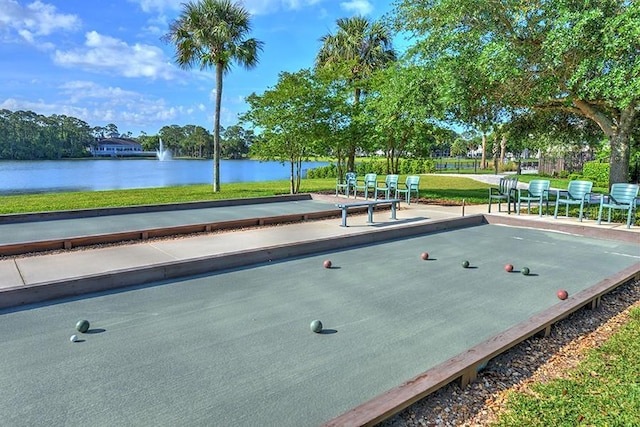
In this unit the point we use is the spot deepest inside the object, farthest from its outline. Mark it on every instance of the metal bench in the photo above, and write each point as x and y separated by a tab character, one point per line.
370	204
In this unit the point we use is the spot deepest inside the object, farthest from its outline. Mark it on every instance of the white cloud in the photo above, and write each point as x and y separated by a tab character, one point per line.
360	7
99	105
158	5
255	7
265	7
113	56
35	20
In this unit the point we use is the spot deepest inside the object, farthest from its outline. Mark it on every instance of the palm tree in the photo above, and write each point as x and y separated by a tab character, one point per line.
213	33
358	48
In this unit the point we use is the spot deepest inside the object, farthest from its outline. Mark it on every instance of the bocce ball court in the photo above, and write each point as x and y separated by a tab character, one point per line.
234	346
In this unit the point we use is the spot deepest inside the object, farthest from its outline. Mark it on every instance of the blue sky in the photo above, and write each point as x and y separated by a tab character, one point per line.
104	62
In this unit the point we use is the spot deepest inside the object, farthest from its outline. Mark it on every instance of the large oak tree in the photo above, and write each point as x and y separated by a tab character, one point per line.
581	57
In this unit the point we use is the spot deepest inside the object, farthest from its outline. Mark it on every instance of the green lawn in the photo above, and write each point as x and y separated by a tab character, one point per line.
441	189
603	390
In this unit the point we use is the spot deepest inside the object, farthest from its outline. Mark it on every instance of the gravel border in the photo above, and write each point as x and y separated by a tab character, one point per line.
535	360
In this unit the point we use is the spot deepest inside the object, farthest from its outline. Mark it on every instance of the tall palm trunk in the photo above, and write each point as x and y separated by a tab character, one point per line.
216	129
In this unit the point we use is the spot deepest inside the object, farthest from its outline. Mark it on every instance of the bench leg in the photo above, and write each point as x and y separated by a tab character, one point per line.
393	210
344	217
370	214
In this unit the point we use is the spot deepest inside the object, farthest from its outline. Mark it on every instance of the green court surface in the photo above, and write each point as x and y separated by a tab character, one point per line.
235	348
55	226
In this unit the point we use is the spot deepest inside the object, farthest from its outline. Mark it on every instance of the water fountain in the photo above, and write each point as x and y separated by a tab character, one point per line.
163	154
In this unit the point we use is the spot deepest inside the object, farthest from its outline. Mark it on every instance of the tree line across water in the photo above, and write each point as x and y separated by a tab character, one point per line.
26	135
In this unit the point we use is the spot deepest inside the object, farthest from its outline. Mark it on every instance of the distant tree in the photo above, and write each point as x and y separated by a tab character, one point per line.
236	142
148	142
358	47
25	135
197	141
294	118
213	33
399	110
172	139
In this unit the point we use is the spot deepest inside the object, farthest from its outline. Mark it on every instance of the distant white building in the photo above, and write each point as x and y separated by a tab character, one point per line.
117	147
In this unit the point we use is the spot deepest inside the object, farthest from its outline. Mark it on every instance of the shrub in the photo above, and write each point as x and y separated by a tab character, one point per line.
377	166
597	172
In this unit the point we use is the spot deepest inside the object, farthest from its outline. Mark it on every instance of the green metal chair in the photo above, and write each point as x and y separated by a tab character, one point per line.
390	184
412	183
345	186
537	192
506	191
578	193
623	197
366	185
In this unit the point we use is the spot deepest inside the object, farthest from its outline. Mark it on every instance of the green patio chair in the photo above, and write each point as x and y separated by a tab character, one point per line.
366	185
506	190
412	183
623	197
537	192
390	184
578	193
348	183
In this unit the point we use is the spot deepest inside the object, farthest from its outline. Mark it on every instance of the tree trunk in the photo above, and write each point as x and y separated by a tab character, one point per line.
216	130
298	175
483	159
619	161
619	137
351	161
503	149
292	184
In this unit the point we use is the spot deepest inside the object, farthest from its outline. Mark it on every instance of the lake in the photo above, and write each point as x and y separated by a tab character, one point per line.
24	177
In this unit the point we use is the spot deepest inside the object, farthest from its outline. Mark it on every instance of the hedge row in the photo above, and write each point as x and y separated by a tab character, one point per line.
405	167
597	172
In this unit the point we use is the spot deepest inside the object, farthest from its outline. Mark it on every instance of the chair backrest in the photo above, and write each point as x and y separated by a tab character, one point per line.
624	193
350	178
391	181
370	179
507	184
578	189
412	182
538	187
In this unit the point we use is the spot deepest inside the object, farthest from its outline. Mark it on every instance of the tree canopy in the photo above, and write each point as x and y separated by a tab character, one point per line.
353	53
295	117
505	56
